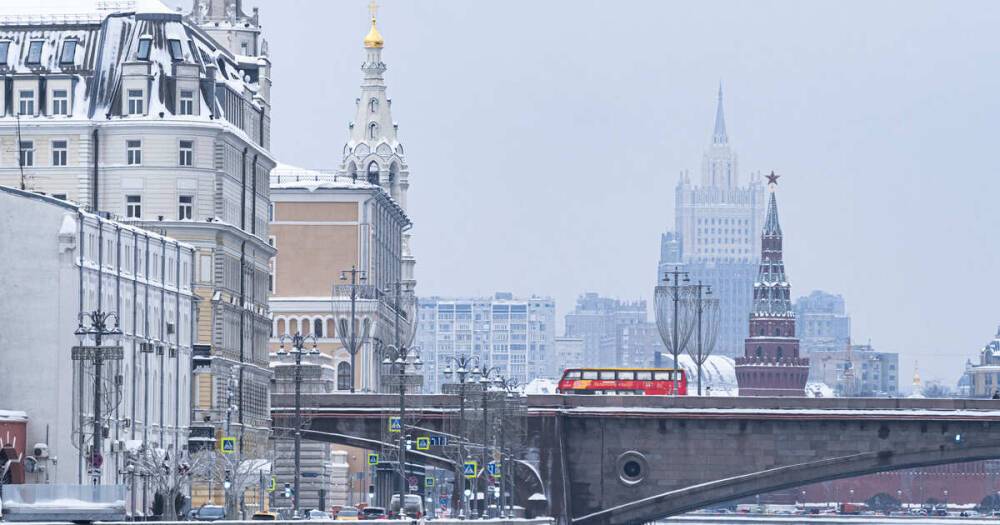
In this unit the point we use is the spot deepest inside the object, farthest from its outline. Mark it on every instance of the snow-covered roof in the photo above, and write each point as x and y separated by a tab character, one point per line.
286	176
107	36
13	416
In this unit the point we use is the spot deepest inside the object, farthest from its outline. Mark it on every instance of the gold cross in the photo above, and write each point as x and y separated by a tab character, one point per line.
373	9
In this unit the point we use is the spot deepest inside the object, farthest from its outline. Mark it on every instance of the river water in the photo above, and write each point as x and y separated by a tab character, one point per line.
821	520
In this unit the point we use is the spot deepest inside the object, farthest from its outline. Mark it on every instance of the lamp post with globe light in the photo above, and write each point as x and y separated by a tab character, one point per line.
298	341
465	371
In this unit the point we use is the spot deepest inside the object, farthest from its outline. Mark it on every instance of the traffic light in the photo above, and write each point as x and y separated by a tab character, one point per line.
228	481
288	490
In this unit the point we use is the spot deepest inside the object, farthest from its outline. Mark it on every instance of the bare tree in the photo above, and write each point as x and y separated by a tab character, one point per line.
236	472
168	476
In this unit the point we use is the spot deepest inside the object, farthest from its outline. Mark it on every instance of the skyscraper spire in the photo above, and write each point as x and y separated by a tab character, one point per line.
719	135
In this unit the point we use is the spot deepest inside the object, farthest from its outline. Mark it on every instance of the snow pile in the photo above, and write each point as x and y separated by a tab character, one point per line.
541	386
718	374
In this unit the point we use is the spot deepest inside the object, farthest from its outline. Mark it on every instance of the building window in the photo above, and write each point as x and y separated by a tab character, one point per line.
187	102
176	53
144	45
317	327
4	48
133	206
373	105
373	131
244	48
58	152
135	102
185	207
133	151
373	173
27	156
186	153
68	55
344	376
35	53
26	102
60	102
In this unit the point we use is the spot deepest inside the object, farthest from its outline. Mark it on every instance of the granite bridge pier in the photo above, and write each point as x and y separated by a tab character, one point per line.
634	459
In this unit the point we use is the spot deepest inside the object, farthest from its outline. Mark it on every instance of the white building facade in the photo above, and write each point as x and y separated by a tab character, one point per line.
56	262
133	109
515	335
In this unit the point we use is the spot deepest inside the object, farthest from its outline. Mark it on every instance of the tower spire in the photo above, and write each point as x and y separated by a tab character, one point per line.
719	135
373	39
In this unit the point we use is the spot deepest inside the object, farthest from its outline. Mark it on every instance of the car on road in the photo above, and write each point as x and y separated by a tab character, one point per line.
348	514
210	513
314	514
374	513
264	516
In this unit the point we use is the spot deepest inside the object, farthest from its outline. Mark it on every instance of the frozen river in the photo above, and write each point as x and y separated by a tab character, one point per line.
821	520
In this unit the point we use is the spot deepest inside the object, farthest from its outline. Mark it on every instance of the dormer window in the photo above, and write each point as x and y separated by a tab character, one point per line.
4	47
176	52
186	105
68	55
144	46
35	52
135	102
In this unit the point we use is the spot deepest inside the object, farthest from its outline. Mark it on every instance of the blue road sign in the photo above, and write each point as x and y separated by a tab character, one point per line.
373	459
228	445
439	441
395	424
469	469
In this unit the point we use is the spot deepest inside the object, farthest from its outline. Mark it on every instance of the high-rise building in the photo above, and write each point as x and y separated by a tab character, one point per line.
569	353
639	344
134	109
57	262
771	365
717	224
516	335
821	323
599	321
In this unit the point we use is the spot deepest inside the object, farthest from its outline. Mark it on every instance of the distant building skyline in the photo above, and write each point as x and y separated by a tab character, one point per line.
599	321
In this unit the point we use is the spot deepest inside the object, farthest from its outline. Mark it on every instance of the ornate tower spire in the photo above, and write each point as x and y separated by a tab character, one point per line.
718	168
771	365
373	152
719	135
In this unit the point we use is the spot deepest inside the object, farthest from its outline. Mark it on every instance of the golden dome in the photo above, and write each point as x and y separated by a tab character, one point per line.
374	38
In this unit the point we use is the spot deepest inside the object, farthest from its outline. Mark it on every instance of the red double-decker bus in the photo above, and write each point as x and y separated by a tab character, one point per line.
623	381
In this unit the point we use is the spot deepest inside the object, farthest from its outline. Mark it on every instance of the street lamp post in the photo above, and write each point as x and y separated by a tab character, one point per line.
98	328
298	341
678	278
508	387
349	336
397	358
486	376
699	309
466	370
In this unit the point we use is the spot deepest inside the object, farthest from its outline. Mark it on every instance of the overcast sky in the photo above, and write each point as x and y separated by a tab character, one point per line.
544	141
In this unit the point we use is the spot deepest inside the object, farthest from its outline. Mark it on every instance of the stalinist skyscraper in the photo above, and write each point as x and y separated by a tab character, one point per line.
716	234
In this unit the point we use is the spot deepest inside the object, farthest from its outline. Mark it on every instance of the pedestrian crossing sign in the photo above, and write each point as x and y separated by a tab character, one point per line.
395	424
228	445
423	443
470	469
372	459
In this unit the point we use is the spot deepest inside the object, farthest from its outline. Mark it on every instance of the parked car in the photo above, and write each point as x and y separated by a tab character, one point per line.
314	514
348	514
374	513
210	513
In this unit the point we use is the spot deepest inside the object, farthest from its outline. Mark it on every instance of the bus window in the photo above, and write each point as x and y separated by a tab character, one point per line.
590	374
572	374
662	376
644	376
607	374
626	375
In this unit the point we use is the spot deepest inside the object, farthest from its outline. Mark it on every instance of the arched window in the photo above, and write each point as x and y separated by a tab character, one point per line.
373	172
373	105
352	171
373	131
318	327
344	376
760	352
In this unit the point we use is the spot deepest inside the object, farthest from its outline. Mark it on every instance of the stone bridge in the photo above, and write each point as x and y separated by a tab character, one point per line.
634	459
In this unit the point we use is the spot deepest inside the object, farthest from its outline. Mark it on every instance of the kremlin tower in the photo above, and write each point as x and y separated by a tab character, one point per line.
771	365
